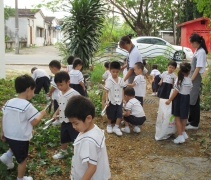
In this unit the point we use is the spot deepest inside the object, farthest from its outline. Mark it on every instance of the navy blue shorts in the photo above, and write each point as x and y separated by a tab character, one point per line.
19	148
135	120
140	99
180	106
114	111
68	133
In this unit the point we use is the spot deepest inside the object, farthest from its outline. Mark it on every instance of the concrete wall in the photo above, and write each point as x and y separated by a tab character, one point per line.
39	22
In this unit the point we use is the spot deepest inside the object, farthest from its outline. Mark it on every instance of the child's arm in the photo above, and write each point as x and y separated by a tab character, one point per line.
63	66
127	113
161	81
82	84
174	94
107	102
56	113
36	120
153	77
51	91
89	172
131	85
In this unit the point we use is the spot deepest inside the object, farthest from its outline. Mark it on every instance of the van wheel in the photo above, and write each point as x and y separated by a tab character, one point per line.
179	56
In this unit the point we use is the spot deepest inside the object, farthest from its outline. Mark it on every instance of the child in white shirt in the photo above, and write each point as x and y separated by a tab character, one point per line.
139	83
68	133
134	112
18	120
155	79
69	67
90	159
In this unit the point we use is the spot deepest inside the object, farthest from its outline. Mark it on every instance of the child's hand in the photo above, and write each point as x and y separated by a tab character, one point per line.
43	112
168	102
107	103
49	94
160	83
3	137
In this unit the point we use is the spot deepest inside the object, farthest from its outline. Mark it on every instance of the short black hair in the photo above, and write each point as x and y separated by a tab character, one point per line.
55	63
172	63
154	66
61	76
129	91
79	107
23	82
140	65
34	68
70	60
106	64
76	62
115	65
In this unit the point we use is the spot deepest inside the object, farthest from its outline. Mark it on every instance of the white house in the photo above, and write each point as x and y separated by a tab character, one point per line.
34	28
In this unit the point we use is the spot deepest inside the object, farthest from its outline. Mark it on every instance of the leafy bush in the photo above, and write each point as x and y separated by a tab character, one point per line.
96	74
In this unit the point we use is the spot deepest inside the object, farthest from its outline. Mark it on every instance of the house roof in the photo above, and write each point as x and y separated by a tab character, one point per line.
49	19
193	21
27	12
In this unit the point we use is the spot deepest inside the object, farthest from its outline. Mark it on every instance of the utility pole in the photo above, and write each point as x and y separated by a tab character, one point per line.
16	28
2	41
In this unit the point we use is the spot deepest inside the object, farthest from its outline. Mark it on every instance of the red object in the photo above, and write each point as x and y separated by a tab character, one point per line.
201	26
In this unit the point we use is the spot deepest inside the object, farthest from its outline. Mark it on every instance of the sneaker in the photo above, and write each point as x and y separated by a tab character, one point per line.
56	123
109	129
185	135
59	155
27	178
137	130
122	122
191	127
179	139
7	161
153	94
125	130
117	131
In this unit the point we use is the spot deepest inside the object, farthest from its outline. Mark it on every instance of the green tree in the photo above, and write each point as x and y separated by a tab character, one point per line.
204	6
8	11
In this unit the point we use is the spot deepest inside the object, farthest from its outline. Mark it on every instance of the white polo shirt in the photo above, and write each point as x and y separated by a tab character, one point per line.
185	87
201	57
38	73
115	90
69	68
140	87
18	114
90	147
154	72
168	78
76	76
62	101
106	74
56	91
135	108
134	57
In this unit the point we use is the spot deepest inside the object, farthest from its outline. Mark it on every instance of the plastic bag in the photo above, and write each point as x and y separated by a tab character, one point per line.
165	124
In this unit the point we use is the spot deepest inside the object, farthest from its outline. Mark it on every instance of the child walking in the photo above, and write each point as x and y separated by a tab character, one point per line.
68	133
155	73
134	112
42	80
139	83
18	120
181	101
76	77
167	81
114	96
90	159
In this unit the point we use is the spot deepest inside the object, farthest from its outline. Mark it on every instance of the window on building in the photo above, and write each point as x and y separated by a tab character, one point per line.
40	32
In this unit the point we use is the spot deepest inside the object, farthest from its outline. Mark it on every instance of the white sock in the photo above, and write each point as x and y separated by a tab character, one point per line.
109	125
9	154
116	126
64	150
127	127
136	127
19	178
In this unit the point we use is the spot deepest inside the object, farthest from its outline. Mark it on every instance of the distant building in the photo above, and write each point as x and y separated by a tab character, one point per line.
34	28
167	35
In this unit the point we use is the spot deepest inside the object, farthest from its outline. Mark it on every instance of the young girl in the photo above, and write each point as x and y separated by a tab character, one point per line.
155	79
181	100
76	77
167	80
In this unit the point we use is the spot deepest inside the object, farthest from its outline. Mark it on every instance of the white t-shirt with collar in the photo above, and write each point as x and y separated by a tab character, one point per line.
62	102
69	68
38	73
201	57
135	108
185	87
168	78
140	87
134	57
154	72
115	90
90	147
18	114
76	76
106	74
56	91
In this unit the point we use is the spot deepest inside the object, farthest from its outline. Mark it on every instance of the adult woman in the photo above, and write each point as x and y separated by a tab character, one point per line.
198	66
133	57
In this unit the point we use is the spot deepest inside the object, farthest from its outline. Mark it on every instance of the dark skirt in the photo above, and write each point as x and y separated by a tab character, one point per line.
155	85
78	88
180	106
164	90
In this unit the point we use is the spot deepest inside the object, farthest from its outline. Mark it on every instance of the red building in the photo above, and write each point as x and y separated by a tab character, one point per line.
202	26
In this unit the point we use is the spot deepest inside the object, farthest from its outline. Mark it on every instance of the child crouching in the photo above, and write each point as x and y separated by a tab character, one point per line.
134	112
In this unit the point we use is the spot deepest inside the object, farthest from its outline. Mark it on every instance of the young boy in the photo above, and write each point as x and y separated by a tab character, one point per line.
68	134
105	76
42	80
114	96
90	159
139	83
69	67
134	112
18	120
54	67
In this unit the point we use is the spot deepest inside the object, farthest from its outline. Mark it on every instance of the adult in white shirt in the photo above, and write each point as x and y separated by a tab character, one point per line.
133	57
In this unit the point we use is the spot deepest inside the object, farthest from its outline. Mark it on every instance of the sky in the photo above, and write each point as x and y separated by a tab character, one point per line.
28	4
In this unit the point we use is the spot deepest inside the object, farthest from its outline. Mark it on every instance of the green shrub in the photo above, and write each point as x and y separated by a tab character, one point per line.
96	74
